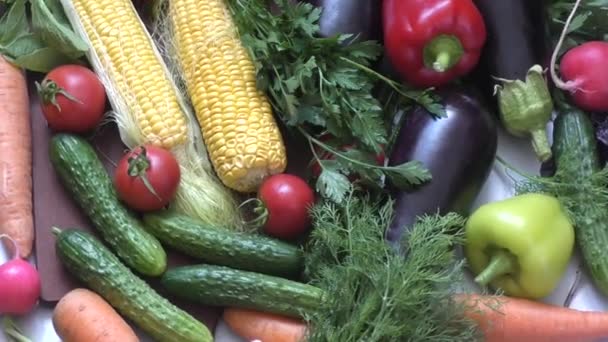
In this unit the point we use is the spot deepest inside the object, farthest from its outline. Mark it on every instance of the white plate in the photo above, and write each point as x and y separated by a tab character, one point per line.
39	328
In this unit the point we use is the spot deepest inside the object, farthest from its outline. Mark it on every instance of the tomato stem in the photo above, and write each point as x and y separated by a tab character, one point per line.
14	243
48	91
138	165
259	209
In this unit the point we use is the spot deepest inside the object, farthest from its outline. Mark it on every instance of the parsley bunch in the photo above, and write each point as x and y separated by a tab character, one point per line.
321	86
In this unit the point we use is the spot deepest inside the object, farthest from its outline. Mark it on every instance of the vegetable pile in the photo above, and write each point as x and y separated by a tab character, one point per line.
393	107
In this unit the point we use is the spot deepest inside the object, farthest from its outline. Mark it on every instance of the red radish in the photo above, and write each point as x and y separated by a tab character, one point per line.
283	203
584	69
19	284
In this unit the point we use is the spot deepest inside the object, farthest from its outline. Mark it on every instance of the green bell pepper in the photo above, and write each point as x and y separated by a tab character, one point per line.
521	245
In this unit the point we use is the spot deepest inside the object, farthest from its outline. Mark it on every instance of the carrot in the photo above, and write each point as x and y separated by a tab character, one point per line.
82	315
256	325
508	319
16	217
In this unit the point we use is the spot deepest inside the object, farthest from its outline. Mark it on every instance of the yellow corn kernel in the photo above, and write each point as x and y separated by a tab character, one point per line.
119	39
242	137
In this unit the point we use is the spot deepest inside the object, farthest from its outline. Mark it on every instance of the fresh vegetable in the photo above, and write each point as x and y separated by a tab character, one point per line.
242	137
85	177
284	202
87	259
82	315
432	42
19	284
326	156
512	67
506	319
521	245
580	185
147	104
12	330
263	326
459	169
224	286
16	216
147	178
36	36
320	86
586	75
337	18
372	292
72	99
218	246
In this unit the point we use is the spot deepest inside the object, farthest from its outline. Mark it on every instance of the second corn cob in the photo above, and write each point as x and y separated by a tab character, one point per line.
236	119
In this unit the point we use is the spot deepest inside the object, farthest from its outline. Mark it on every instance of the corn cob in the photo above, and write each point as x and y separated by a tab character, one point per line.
237	124
148	106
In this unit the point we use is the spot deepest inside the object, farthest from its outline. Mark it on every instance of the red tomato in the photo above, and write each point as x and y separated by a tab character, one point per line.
156	165
72	98
287	198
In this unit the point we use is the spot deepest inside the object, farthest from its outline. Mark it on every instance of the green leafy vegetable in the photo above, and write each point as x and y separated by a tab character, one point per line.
325	86
589	23
375	294
48	44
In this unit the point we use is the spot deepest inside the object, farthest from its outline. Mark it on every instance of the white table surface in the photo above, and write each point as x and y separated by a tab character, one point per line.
38	326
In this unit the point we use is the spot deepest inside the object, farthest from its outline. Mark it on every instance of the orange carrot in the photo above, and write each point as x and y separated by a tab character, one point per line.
16	217
255	325
507	319
82	315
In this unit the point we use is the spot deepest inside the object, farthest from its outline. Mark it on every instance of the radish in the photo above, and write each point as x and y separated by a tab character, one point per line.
584	70
19	284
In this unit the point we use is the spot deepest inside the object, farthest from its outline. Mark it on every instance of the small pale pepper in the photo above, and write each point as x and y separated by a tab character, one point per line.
520	245
431	42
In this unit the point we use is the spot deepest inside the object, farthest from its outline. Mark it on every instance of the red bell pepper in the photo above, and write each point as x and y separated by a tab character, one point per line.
432	42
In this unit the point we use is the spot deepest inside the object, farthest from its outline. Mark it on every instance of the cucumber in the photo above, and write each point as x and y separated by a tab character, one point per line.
224	286
218	246
577	158
84	176
91	262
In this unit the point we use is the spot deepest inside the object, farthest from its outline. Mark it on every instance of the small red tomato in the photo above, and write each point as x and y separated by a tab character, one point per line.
147	178
72	98
287	199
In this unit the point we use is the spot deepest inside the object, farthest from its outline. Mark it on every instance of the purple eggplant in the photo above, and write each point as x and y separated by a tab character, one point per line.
357	17
458	150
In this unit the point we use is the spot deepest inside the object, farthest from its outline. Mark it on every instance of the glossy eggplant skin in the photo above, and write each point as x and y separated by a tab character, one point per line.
518	38
458	150
358	17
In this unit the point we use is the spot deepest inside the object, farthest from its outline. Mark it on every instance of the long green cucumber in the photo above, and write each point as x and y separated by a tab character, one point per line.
577	158
85	177
218	246
90	261
224	286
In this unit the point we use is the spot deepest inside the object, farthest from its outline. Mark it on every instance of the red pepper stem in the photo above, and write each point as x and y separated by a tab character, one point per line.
501	263
443	52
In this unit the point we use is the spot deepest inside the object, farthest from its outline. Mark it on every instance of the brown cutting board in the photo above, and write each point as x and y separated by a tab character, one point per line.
54	207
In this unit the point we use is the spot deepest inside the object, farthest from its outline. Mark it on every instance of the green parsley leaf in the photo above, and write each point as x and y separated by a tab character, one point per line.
332	184
409	173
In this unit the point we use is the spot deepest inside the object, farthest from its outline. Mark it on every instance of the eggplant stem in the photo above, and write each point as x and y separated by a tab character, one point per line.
540	144
13	242
501	263
570	85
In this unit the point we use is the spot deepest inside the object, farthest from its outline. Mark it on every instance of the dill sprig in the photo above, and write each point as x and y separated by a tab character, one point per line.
375	294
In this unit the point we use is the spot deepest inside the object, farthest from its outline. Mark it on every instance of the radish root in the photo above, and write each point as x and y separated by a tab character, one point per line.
14	243
570	86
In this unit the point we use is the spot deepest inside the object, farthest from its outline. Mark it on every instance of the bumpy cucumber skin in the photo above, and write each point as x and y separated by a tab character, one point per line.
218	246
84	176
224	286
574	137
91	262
